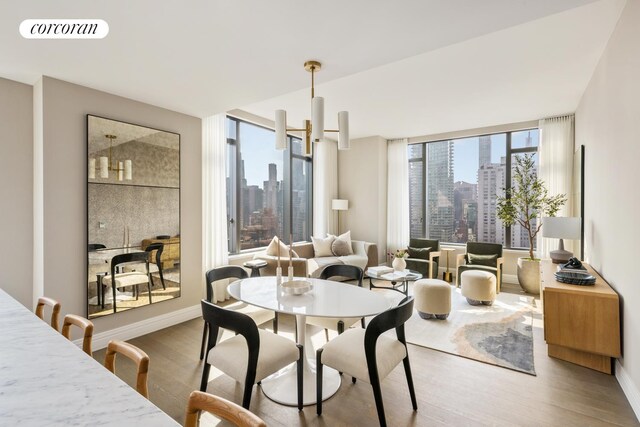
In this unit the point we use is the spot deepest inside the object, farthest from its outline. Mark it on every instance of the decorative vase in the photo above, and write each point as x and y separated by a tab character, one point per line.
399	264
529	275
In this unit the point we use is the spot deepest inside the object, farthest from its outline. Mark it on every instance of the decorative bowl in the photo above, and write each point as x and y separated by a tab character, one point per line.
296	287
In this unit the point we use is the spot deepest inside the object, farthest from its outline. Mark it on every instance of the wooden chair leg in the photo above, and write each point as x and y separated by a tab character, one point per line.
377	394
205	329
300	374
319	381
340	327
362	323
205	377
353	380
149	289
248	389
412	392
275	324
162	277
326	334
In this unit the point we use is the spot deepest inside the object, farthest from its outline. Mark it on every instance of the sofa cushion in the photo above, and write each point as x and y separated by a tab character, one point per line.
345	237
341	247
272	249
322	247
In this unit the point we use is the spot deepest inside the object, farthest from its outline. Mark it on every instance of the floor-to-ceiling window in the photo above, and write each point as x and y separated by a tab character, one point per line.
454	185
266	188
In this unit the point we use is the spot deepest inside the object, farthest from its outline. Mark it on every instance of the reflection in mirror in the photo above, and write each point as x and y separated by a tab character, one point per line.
133	215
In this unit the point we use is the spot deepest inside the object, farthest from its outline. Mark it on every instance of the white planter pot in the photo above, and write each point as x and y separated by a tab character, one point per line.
399	264
529	275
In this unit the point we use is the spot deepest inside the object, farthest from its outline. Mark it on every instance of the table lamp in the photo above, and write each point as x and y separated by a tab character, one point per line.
561	228
339	205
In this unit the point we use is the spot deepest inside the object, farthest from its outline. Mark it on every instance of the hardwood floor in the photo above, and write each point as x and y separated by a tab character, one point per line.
451	390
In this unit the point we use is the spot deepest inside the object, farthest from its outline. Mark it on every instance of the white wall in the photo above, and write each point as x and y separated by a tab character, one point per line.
607	123
16	182
65	106
362	179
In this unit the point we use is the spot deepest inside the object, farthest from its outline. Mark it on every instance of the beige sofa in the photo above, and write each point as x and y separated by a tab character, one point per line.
364	255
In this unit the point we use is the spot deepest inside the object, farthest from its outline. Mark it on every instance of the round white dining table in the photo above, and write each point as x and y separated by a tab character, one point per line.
326	299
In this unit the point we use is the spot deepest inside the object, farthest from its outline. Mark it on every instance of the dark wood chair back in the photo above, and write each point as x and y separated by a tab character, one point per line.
341	270
139	357
126	258
82	323
55	310
229	411
221	273
159	248
95	246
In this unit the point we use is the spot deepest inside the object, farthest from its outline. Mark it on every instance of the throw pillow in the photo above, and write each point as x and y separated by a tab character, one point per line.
486	260
322	247
419	253
340	247
347	238
272	249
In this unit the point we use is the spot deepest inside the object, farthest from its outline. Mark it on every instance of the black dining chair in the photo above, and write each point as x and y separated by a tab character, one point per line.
92	247
259	315
128	279
368	355
263	352
342	272
155	262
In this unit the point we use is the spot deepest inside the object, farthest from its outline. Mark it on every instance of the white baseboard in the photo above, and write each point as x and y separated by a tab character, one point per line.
629	388
143	327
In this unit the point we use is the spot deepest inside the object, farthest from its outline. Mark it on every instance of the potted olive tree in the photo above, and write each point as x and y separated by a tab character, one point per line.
526	201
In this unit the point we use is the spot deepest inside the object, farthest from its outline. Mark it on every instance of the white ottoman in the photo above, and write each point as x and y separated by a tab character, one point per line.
479	287
432	298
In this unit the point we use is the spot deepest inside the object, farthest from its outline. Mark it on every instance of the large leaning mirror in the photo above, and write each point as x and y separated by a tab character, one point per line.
133	216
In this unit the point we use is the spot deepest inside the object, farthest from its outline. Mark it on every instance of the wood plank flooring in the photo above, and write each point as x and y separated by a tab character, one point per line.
451	390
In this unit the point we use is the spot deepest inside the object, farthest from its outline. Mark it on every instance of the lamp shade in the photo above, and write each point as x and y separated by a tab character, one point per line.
343	131
339	204
281	130
317	119
104	167
92	168
561	227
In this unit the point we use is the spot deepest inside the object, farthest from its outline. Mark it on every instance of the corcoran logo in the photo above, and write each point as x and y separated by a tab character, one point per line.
64	29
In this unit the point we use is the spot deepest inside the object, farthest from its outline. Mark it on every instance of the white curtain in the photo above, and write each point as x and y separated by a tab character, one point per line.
397	194
555	168
325	187
214	199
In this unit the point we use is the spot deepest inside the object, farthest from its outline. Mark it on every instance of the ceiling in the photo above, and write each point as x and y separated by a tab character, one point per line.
398	70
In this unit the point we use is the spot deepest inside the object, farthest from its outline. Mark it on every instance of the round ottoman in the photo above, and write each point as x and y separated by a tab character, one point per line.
479	287
432	298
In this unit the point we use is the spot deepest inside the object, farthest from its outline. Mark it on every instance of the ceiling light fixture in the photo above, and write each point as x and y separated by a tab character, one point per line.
124	169
313	130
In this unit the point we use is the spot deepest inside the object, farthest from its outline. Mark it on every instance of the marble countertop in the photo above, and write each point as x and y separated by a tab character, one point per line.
46	380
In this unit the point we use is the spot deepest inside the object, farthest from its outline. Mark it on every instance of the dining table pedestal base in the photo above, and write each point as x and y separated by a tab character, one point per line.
282	387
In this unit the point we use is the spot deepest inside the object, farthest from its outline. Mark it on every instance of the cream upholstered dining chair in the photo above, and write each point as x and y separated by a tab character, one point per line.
84	324
155	263
368	355
229	411
259	315
132	352
128	279
55	310
250	356
338	324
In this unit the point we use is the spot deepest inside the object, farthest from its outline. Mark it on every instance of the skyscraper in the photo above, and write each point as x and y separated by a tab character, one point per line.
271	190
491	180
484	156
440	191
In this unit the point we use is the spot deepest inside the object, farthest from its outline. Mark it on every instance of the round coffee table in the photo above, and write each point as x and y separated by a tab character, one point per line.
399	281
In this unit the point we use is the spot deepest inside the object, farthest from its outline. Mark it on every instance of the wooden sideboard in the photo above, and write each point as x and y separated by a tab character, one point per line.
171	252
581	323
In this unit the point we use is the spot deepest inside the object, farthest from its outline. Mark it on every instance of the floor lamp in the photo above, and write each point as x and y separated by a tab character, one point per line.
339	205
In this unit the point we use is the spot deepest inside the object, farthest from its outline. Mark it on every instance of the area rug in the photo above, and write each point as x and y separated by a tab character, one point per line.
500	334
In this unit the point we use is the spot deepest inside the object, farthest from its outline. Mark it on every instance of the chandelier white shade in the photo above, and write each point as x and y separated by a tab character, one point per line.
124	168
312	130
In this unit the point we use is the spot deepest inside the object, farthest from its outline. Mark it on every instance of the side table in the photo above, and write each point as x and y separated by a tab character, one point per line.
447	276
255	266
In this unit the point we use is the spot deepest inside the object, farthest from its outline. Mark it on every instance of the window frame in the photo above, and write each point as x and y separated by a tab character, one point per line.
508	165
234	146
